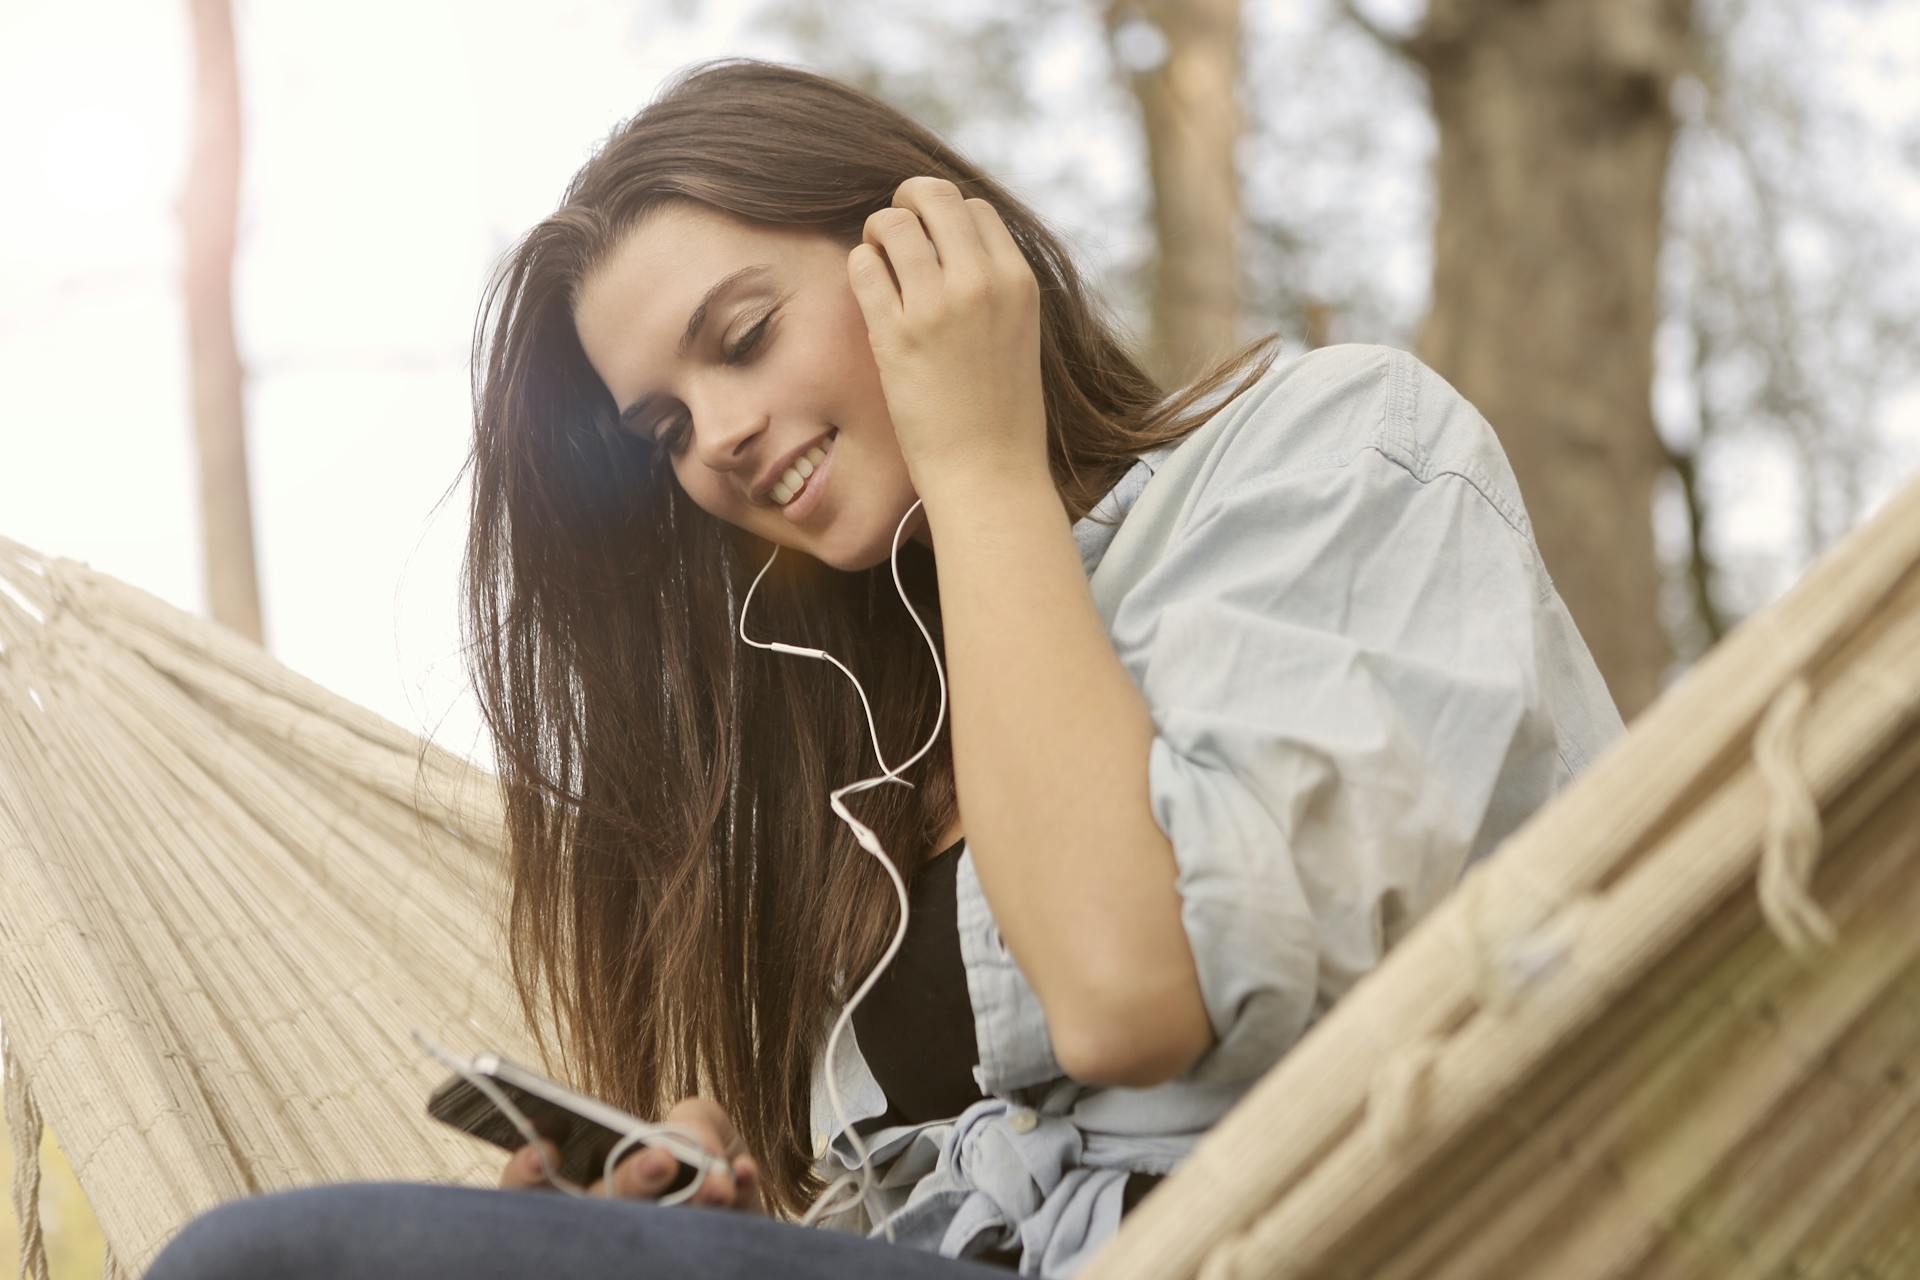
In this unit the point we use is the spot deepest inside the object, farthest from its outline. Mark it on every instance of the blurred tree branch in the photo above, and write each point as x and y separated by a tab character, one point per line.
1400	46
209	213
1446	29
1701	572
1793	280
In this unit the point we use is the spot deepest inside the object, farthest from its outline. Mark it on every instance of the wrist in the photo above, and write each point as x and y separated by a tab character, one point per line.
985	484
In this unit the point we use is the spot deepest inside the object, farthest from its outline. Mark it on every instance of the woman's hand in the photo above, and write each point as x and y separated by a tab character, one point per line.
957	342
644	1172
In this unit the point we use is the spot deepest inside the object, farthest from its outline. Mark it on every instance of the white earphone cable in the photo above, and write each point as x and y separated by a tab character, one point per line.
868	841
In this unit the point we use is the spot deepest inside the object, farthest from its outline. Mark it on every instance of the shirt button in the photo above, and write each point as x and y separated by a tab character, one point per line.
1023	1121
819	1146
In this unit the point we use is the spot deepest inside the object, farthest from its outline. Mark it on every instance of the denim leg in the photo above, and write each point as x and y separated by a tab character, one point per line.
368	1230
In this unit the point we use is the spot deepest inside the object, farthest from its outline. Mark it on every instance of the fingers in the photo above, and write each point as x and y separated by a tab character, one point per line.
931	240
648	1173
738	1188
719	1188
523	1169
874	288
897	239
746	1179
933	252
949	224
1002	249
653	1174
644	1174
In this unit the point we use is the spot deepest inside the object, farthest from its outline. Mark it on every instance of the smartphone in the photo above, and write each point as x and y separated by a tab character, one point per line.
584	1128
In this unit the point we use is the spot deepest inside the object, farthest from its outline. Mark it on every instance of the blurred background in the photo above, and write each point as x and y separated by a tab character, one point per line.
1668	247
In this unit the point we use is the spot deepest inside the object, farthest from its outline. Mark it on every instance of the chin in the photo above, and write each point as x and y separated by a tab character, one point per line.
875	549
860	560
877	554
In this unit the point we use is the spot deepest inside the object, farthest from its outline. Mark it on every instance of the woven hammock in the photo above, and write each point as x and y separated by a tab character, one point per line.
1669	1028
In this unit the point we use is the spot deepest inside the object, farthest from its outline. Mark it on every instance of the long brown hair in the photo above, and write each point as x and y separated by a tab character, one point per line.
682	897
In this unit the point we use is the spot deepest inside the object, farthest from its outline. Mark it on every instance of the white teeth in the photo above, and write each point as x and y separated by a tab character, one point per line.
789	485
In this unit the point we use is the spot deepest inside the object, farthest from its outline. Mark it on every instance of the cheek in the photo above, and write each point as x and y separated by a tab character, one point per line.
831	368
851	358
843	325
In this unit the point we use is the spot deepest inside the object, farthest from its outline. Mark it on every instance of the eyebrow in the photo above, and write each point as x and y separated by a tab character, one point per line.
695	323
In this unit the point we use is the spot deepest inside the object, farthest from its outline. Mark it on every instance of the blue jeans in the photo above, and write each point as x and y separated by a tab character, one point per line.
430	1230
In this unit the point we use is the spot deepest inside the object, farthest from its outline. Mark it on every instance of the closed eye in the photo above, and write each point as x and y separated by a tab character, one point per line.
671	439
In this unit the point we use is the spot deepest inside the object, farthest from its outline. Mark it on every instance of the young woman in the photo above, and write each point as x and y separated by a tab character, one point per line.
1241	680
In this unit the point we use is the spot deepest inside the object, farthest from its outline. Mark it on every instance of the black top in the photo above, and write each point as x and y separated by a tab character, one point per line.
916	1026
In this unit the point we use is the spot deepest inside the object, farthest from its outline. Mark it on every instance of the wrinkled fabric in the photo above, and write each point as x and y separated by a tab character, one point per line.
1361	680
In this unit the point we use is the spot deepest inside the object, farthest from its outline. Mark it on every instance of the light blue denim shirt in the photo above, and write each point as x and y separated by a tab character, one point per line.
1361	679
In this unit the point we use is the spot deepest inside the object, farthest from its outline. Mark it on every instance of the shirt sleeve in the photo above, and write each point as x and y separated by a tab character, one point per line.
1339	665
1009	1024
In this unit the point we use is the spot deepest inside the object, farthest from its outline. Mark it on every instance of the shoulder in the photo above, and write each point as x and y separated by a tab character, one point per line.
1336	407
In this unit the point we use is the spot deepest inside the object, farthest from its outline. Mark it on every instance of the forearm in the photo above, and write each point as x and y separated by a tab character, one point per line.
1050	745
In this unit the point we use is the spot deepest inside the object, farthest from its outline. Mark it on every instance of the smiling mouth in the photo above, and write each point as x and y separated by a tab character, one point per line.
814	468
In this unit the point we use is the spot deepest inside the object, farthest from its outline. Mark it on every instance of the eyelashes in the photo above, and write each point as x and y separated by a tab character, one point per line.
670	439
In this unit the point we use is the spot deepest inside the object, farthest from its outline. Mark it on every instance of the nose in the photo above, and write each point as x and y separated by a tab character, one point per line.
725	443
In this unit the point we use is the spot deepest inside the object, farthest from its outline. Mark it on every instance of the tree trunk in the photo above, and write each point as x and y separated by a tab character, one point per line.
209	212
1554	135
1192	120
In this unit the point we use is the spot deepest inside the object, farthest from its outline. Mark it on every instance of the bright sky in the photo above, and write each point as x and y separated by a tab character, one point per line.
393	150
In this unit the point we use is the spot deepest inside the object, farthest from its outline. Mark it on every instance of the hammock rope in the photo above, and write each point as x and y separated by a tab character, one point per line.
1793	828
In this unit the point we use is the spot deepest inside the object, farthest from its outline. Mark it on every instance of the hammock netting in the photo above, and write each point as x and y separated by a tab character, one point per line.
1667	1029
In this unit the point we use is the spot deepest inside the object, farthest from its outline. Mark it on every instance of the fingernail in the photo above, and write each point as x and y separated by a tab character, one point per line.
655	1165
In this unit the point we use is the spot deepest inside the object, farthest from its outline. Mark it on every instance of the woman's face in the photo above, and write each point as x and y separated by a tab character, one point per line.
725	420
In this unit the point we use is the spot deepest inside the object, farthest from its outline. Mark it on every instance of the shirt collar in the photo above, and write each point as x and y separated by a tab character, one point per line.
1094	538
